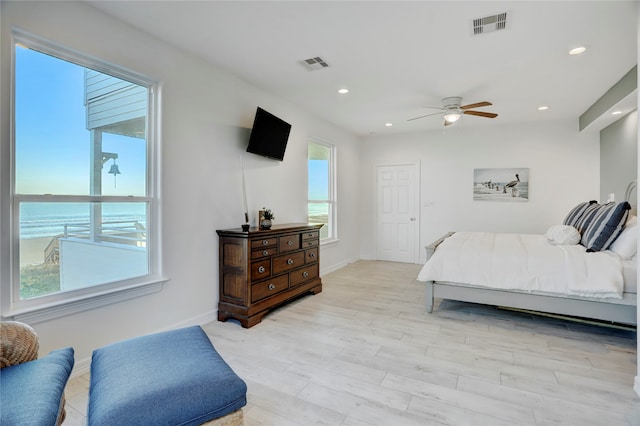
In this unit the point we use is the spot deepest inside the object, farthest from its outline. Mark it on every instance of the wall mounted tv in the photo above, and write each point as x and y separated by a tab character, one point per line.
269	135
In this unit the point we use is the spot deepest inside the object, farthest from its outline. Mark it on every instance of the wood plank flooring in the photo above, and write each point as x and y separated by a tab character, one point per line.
364	352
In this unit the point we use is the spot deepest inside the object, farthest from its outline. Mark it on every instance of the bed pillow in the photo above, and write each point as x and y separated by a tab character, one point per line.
563	235
626	245
576	213
585	220
605	225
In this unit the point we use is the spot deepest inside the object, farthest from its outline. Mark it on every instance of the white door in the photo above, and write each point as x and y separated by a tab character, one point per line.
397	225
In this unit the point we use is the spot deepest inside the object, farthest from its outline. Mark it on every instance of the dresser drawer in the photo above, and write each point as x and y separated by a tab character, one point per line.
300	276
269	288
260	270
264	252
287	262
310	235
263	242
289	242
311	255
309	243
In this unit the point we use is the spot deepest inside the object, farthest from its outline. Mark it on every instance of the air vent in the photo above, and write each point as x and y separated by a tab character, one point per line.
490	23
313	64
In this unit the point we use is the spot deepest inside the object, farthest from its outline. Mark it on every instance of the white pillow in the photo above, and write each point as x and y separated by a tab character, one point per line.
563	235
626	244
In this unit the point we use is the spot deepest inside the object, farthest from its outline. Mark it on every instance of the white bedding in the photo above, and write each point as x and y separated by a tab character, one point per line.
630	275
525	262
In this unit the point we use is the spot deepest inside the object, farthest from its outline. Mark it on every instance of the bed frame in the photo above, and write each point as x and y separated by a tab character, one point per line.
614	310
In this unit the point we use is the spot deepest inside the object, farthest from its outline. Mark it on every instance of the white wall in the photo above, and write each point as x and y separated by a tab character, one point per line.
618	154
206	114
563	167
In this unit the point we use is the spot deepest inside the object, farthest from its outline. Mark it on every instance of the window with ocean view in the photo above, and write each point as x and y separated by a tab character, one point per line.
83	181
321	193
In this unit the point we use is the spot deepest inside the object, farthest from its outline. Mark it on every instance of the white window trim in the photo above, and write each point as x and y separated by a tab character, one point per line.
61	304
332	201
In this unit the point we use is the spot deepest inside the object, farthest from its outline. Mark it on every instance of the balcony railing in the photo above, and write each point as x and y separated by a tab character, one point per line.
130	233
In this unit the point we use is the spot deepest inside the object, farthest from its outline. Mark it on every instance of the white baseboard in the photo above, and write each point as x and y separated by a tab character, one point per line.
335	267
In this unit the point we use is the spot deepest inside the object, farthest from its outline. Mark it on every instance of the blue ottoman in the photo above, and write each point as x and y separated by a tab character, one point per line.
33	392
170	378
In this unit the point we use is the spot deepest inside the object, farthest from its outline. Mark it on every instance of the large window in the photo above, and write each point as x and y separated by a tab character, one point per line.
321	193
82	200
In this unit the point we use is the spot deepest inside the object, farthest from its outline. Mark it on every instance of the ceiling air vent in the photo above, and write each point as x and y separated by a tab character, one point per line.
313	64
490	23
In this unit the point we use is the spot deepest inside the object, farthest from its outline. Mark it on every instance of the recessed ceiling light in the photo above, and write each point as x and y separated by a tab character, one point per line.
343	91
616	112
543	107
577	50
388	124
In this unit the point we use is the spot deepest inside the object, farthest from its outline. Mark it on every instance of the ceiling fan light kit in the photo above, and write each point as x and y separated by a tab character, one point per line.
452	116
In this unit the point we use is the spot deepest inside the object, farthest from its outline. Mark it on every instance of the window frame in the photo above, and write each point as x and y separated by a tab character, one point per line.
332	200
59	304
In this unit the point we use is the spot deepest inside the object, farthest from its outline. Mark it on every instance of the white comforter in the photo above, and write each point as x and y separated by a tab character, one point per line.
525	262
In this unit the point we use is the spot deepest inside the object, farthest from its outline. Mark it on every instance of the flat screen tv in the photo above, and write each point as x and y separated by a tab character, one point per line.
269	135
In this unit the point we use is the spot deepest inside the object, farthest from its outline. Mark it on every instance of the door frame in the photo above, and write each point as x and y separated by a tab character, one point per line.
416	207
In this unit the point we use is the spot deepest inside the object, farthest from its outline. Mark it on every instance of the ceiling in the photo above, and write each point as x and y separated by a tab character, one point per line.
398	57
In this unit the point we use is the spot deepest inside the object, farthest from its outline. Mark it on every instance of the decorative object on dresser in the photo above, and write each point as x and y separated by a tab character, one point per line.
265	217
261	269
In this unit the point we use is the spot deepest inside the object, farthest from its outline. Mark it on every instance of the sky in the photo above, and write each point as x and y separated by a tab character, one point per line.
318	178
52	141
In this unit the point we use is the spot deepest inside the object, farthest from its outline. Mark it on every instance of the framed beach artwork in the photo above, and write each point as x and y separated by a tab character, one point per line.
510	185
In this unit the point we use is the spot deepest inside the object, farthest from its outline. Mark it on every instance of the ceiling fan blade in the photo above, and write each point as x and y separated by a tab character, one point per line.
423	116
476	105
481	114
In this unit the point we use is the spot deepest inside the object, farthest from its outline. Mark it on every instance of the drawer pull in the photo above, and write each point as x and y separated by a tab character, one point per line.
309	235
305	274
289	261
312	255
265	253
261	269
289	243
272	286
265	242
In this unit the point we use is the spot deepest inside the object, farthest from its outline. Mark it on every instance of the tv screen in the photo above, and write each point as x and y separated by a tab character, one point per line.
269	135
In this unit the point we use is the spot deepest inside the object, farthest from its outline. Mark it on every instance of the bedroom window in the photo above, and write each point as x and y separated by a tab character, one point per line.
321	191
82	205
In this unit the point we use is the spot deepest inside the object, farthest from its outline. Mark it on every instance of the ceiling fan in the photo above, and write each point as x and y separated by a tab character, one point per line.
451	110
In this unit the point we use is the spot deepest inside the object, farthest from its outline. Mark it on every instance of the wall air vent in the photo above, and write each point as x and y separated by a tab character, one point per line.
490	23
313	64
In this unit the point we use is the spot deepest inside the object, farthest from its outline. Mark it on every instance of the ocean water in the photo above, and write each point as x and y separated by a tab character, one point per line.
49	219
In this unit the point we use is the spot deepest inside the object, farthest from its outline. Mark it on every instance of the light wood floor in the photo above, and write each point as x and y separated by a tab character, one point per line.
364	352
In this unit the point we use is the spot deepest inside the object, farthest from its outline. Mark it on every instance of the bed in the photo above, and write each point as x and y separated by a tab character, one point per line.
538	272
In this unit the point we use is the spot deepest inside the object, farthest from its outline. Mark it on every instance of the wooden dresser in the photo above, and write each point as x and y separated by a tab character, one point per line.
261	269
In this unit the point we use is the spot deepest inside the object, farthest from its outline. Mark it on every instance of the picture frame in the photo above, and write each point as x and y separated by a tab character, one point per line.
501	184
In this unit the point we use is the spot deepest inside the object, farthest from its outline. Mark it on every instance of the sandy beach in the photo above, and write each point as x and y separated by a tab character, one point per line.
32	250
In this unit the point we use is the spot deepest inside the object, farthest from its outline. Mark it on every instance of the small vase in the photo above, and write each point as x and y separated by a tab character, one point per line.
265	224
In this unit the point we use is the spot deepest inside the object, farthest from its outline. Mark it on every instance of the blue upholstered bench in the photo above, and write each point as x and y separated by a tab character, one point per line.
170	378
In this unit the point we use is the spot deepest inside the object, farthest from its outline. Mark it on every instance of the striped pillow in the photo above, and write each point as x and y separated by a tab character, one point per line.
587	216
576	213
605	226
